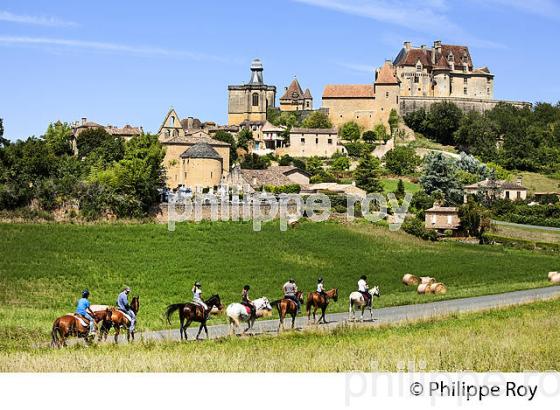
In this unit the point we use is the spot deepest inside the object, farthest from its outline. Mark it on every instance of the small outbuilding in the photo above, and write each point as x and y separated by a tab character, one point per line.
442	218
201	166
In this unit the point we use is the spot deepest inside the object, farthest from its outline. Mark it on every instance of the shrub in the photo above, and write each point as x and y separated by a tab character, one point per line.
402	160
358	149
283	189
369	136
415	226
350	131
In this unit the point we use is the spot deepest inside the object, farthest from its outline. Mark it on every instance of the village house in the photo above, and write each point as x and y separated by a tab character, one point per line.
495	189
251	180
269	139
192	158
126	132
309	142
442	218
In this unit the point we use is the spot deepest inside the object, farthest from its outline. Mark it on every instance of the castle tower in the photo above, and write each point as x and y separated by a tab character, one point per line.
250	102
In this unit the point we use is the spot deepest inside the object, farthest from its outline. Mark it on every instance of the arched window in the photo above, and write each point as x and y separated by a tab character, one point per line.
172	121
255	100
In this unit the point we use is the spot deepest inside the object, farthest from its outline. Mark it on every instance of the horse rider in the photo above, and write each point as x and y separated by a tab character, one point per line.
290	292
197	297
363	288
83	309
321	289
246	301
123	305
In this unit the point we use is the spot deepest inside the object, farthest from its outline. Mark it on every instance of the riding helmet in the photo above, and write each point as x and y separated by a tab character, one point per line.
197	284
363	277
85	293
247	287
291	281
320	280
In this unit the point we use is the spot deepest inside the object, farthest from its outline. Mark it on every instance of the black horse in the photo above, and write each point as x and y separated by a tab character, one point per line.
191	312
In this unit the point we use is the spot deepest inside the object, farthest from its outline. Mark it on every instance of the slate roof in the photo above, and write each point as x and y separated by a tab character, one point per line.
195	138
201	150
411	56
294	87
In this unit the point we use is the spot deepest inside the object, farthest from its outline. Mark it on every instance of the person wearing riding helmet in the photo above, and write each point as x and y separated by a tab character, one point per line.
83	309
245	301
122	304
197	296
290	292
321	289
363	288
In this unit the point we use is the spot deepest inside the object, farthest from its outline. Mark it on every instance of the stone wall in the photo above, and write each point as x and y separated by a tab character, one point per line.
410	104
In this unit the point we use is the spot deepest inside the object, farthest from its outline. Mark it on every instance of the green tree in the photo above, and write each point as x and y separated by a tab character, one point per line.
350	131
97	145
400	192
313	165
442	121
402	160
370	136
381	133
3	141
340	164
58	137
244	138
317	119
417	120
477	135
474	219
367	174
225	136
253	161
393	121
285	160
440	177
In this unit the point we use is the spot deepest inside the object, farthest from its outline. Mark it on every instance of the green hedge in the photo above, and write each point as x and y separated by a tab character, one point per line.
520	243
283	189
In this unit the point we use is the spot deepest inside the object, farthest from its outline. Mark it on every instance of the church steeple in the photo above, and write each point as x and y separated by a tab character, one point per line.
256	72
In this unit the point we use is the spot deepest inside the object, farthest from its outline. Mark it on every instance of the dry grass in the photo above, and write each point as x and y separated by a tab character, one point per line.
516	339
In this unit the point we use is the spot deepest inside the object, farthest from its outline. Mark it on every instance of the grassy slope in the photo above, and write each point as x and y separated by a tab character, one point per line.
390	185
531	234
540	183
514	339
45	267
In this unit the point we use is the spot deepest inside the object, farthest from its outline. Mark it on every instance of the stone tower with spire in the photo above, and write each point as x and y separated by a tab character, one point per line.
250	102
295	99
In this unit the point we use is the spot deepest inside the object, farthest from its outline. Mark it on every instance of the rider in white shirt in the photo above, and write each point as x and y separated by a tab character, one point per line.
363	288
321	288
197	296
290	292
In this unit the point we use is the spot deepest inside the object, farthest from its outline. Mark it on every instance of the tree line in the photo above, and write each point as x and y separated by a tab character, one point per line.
517	138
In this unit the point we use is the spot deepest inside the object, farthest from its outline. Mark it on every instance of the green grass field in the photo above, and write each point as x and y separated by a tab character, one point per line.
510	340
530	234
45	266
540	183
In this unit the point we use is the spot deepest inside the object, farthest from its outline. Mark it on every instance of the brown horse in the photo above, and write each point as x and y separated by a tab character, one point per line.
287	306
318	301
69	325
192	312
118	320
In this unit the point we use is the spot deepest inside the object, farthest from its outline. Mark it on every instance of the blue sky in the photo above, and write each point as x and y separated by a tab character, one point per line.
128	62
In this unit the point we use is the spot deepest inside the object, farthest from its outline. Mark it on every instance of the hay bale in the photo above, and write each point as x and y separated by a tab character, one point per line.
410	280
555	278
438	288
551	274
427	280
424	288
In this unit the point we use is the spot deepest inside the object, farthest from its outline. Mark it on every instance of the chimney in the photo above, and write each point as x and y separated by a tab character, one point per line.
423	46
190	123
84	120
437	46
519	180
407	45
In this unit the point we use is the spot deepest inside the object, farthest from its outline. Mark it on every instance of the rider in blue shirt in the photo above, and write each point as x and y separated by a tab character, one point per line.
83	309
122	304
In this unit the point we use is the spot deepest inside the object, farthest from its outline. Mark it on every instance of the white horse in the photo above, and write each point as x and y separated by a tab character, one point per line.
357	299
237	313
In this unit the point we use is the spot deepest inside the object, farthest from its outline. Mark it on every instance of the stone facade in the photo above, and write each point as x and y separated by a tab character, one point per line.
309	142
295	99
417	78
250	102
442	218
513	191
182	169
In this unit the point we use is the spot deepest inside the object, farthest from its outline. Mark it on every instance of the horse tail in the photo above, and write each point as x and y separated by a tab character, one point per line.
309	302
275	302
54	333
171	309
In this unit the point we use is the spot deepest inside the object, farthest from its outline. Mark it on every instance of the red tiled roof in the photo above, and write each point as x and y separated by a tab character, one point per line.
348	91
386	75
293	89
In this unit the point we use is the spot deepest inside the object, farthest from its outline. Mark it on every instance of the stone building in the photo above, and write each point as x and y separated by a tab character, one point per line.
250	102
494	189
442	218
126	132
295	99
191	155
310	142
417	78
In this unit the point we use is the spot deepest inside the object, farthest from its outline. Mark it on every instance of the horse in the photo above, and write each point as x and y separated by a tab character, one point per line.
118	320
357	299
318	301
192	312
69	325
287	306
237	313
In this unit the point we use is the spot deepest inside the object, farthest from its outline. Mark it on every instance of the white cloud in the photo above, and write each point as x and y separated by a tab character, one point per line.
108	47
422	16
543	8
34	20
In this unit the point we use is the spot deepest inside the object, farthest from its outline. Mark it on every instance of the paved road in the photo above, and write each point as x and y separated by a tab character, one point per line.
542	228
389	315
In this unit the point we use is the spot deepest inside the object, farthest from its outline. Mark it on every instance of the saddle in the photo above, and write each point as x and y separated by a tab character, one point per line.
83	321
125	315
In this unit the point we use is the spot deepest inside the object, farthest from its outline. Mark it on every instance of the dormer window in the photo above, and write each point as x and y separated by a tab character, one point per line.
418	67
450	57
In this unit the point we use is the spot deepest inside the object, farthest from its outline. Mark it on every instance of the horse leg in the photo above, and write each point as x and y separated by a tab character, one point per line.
182	320
362	316
189	321
206	330
117	332
323	310
294	320
200	329
351	313
371	313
